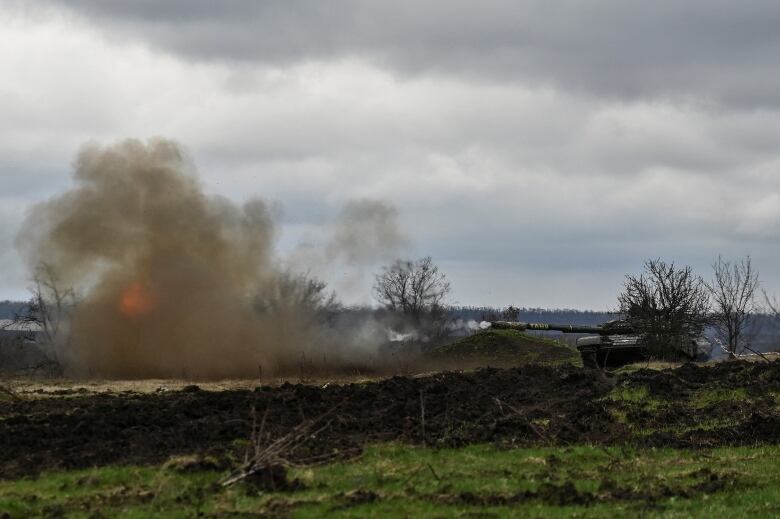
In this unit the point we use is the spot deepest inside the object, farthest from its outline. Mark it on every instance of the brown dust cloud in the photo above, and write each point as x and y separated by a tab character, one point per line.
172	282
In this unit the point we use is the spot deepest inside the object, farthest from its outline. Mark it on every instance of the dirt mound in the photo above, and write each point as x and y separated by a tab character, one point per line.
730	403
513	407
501	348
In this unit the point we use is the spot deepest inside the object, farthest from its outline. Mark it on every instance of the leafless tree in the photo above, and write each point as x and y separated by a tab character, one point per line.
414	288
415	291
50	305
298	295
733	290
48	315
665	302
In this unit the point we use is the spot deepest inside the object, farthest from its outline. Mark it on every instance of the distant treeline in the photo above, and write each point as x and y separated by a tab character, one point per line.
490	313
763	330
10	309
532	315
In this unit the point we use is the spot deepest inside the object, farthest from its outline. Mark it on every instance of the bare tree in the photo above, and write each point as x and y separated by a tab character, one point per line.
412	287
665	303
47	316
50	305
416	290
733	290
300	294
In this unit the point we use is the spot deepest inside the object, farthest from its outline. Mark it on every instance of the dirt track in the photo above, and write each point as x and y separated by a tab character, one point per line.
521	406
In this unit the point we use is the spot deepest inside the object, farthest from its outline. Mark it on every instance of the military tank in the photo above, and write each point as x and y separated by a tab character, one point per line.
616	343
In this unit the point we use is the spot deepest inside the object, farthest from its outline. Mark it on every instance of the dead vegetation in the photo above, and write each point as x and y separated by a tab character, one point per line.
265	462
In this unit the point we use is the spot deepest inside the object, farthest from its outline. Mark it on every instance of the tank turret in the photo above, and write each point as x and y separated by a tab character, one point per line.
615	343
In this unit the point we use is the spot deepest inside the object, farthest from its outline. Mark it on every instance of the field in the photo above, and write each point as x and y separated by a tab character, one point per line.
536	438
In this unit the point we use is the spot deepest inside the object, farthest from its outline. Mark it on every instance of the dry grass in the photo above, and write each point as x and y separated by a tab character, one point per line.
42	388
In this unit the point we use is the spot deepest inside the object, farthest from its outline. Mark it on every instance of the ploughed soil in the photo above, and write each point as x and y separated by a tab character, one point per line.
693	406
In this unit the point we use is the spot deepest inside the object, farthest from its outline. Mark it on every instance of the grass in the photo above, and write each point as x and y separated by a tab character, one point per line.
713	396
640	397
635	395
393	480
629	402
655	365
632	399
503	348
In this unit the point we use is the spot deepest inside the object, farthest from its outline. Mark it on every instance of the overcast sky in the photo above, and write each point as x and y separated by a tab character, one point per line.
538	150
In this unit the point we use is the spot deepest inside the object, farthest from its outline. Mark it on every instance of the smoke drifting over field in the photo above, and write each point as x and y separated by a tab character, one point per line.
174	282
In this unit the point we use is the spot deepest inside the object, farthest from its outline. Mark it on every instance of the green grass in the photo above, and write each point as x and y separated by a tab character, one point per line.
632	399
486	340
506	348
634	395
640	397
708	397
395	480
628	401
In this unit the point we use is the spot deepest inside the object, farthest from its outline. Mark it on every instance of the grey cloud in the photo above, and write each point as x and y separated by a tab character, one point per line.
723	50
441	118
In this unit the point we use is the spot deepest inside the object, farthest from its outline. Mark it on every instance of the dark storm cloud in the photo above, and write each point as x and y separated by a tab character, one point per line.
721	51
537	150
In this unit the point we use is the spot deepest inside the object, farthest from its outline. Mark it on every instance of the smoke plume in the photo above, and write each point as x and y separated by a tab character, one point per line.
347	250
366	233
173	282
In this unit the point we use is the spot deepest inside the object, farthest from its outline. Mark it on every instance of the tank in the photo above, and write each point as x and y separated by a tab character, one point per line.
615	343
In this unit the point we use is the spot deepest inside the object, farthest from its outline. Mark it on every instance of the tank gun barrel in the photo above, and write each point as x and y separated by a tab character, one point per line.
565	328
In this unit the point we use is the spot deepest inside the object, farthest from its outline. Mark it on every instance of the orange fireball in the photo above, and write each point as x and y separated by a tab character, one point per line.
136	301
